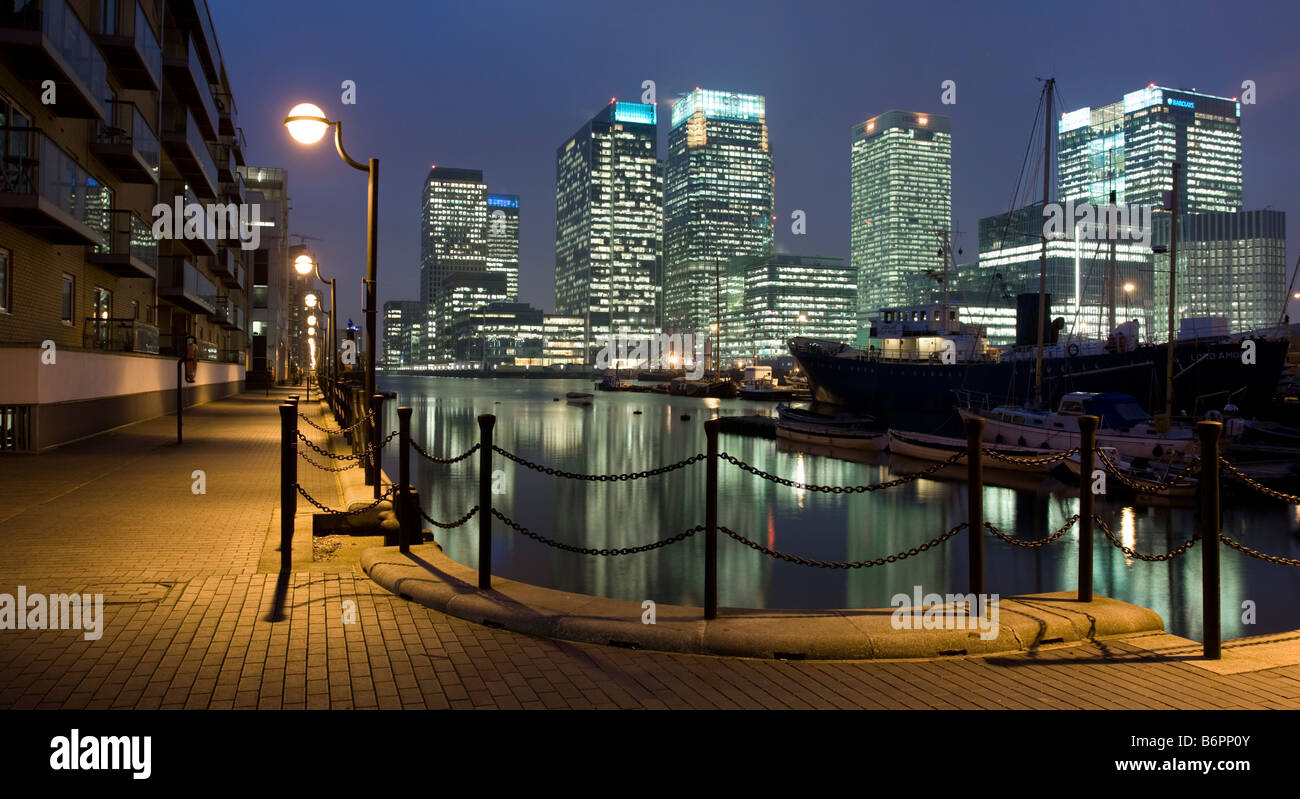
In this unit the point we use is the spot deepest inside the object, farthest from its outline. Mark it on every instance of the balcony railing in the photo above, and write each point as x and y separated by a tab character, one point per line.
128	145
189	148
182	64
174	344
132	47
180	281
66	43
120	335
130	249
44	189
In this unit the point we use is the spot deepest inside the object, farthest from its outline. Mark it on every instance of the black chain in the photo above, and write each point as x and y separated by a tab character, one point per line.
600	478
1255	553
386	495
840	564
331	430
447	526
1042	542
1024	460
1149	487
342	468
907	478
358	456
550	542
1255	484
1132	553
436	459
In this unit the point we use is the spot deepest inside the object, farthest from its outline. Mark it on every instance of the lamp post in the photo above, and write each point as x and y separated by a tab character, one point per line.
304	265
308	124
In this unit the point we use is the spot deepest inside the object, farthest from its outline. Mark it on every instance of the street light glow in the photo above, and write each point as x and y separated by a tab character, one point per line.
307	123
311	320
310	300
1129	287
303	264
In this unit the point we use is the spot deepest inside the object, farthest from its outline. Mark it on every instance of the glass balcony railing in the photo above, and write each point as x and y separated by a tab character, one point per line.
34	164
179	121
57	23
130	127
128	234
181	276
146	41
119	335
205	93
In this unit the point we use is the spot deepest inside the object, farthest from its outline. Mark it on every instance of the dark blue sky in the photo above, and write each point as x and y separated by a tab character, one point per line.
498	86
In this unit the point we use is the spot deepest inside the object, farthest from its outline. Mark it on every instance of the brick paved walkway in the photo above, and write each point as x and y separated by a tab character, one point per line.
187	614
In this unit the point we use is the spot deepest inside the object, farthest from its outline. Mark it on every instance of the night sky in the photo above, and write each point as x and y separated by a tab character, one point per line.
499	86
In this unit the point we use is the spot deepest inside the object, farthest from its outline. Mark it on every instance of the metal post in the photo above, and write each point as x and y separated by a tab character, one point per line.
376	446
180	397
1208	489
1087	503
372	248
485	424
404	509
288	478
975	501
711	429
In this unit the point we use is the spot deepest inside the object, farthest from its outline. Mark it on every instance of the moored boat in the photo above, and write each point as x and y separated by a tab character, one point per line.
842	430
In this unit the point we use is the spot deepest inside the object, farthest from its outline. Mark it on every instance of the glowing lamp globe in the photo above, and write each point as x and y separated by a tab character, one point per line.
310	300
311	320
303	264
306	123
311	331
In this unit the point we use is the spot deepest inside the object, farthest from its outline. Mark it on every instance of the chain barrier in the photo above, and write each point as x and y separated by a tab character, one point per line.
340	432
1132	553
1255	484
1024	460
1152	486
386	495
840	564
599	478
906	478
344	468
434	458
1255	553
550	542
1042	542
356	457
449	525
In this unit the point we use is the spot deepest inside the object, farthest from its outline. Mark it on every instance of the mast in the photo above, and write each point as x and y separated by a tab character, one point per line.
1048	89
1173	276
1112	277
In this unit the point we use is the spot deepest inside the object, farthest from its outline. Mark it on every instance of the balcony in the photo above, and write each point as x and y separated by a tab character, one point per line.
130	249
186	147
193	16
47	193
128	146
44	40
226	266
223	313
224	156
181	283
201	244
131	48
120	335
227	114
174	345
182	67
238	145
235	191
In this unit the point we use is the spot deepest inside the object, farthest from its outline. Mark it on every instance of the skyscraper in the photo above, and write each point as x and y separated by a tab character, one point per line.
609	223
453	234
901	201
503	240
718	199
1128	147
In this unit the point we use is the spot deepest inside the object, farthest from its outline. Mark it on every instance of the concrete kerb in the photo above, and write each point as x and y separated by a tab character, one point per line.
356	494
427	576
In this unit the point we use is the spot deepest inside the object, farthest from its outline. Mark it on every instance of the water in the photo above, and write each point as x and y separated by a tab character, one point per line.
608	438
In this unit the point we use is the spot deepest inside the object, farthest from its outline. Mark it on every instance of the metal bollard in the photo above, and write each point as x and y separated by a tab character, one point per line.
377	447
1087	503
404	509
975	501
485	423
711	429
1208	489
288	479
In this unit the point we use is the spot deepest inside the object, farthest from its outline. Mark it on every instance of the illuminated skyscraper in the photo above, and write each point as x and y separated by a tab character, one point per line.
1128	147
453	234
609	223
718	199
503	240
901	200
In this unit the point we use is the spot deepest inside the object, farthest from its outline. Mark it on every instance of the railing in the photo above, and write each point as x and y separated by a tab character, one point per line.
128	234
57	22
181	276
54	175
131	21
120	334
179	120
130	127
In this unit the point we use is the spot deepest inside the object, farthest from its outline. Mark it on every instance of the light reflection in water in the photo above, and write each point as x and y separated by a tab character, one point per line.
608	438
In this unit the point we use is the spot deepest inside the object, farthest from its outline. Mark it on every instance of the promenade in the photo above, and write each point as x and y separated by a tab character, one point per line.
197	616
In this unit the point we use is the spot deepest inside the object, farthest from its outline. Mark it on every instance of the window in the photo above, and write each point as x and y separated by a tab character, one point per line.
69	293
6	280
135	309
102	300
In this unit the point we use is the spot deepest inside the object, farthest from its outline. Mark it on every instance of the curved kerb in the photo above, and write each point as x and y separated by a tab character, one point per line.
427	576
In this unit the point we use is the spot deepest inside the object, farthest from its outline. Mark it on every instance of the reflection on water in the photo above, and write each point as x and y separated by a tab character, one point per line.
609	438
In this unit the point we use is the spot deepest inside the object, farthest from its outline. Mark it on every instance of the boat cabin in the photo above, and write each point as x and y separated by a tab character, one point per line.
1117	411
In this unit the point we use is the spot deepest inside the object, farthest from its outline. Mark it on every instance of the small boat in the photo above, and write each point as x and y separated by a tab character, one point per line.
758	384
722	389
932	448
843	430
1140	480
578	398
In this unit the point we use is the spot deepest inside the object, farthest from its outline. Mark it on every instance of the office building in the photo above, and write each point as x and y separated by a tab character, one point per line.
503	239
271	276
403	325
771	299
718	200
609	223
453	235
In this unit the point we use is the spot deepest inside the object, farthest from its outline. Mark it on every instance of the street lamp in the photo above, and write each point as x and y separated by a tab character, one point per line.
305	265
308	124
